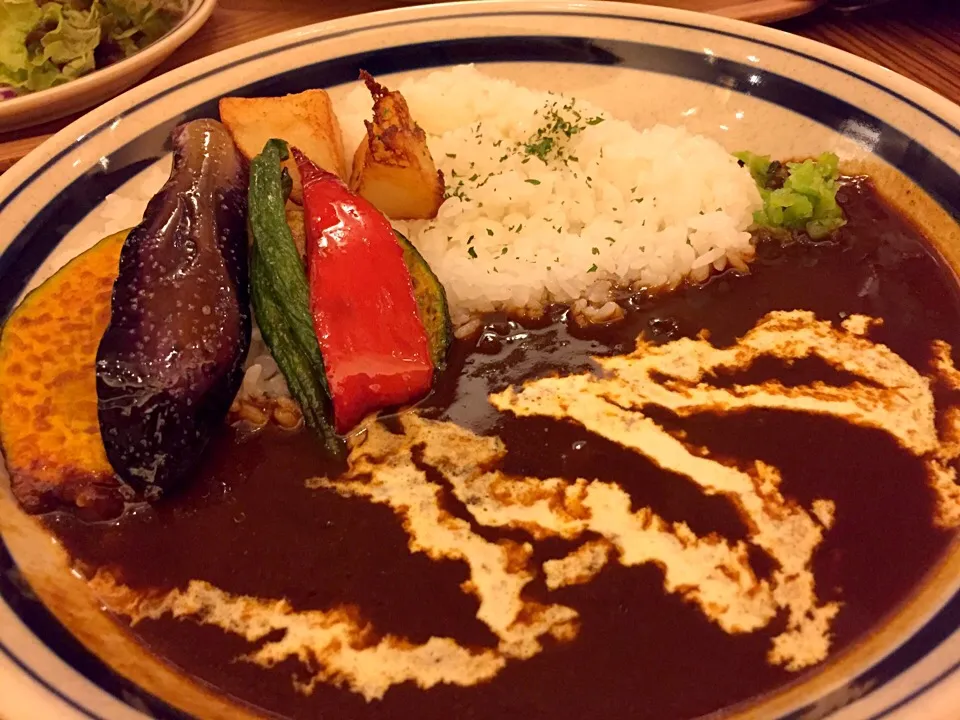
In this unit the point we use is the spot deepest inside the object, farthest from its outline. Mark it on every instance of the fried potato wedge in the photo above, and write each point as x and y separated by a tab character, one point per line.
392	167
305	120
48	389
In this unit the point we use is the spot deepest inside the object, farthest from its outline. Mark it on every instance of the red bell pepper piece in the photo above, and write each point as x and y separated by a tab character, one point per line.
365	314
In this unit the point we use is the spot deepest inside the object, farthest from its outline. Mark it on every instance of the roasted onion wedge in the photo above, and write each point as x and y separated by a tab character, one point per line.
392	167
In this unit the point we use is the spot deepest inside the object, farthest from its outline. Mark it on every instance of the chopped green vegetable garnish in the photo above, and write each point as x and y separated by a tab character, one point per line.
540	148
593	268
758	165
806	201
533	182
472	252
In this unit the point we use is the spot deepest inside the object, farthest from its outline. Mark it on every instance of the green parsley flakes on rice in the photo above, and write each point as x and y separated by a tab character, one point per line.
549	199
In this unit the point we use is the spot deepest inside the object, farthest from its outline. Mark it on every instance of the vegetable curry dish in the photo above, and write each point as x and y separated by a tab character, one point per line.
523	412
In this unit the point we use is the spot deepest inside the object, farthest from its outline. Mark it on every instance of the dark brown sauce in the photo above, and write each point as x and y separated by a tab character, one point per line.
249	526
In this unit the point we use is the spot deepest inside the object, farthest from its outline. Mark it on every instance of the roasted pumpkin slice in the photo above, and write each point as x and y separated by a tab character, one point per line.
48	392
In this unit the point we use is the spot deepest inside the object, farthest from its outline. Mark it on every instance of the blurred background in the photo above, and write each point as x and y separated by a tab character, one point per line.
879	30
917	38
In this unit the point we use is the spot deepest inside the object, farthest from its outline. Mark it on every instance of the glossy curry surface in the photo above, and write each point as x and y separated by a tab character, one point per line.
249	524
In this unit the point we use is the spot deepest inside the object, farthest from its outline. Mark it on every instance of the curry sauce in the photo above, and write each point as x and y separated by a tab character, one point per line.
269	517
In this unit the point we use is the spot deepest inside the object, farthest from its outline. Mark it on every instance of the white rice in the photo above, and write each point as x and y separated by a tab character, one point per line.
125	208
635	207
262	377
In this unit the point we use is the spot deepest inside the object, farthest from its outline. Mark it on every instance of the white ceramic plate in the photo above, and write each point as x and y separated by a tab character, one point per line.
100	85
745	85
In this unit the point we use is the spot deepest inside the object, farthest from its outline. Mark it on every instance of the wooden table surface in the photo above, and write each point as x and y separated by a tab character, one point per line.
917	38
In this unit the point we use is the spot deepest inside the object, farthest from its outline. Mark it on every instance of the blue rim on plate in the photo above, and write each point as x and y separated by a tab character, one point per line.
40	236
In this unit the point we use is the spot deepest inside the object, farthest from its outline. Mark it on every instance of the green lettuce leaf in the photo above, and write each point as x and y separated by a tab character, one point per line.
18	18
49	43
806	201
134	24
69	45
